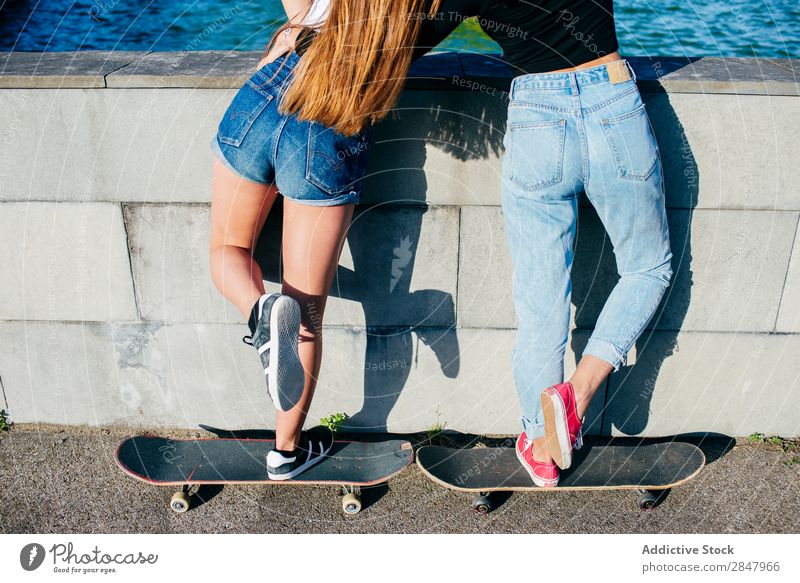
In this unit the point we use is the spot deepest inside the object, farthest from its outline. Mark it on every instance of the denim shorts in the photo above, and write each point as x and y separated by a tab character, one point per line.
307	161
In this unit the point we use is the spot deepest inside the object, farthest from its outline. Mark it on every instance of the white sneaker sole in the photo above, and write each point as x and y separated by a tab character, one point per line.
286	377
555	428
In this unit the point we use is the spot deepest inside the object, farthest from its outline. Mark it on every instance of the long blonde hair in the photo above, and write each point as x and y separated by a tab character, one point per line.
355	68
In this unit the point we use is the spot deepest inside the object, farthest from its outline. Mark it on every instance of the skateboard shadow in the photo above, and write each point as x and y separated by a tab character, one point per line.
371	494
239	433
713	445
386	240
204	494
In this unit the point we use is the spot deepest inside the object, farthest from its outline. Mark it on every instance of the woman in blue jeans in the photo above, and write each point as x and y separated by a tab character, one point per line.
576	128
576	123
584	130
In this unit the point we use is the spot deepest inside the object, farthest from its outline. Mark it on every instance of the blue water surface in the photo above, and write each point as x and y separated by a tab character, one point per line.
744	28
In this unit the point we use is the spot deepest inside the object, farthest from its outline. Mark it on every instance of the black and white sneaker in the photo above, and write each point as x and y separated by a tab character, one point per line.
275	328
313	448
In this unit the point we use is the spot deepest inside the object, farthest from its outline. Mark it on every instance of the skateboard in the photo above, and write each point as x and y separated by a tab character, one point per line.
193	462
649	468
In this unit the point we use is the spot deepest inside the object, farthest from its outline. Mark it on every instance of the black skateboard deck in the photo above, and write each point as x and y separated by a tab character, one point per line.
190	462
649	468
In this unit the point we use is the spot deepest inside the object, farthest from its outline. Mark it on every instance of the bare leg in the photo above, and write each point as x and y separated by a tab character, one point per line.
588	377
312	242
239	208
540	451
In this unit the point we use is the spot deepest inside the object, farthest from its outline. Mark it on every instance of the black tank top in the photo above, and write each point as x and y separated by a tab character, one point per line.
536	35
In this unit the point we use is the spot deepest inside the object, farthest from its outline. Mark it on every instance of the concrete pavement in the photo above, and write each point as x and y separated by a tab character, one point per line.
59	480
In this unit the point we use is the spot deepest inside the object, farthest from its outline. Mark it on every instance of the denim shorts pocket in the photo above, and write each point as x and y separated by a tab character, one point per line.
632	141
335	162
537	153
243	111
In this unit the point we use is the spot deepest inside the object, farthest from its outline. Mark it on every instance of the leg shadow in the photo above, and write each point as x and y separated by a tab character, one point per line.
239	433
385	235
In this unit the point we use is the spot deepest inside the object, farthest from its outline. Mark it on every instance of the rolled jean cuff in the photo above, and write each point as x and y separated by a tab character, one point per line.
532	430
604	350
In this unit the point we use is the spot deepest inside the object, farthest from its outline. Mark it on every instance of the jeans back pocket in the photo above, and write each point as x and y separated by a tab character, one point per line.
335	163
243	111
537	153
633	144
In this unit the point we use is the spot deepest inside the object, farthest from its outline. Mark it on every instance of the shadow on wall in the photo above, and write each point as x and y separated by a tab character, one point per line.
383	242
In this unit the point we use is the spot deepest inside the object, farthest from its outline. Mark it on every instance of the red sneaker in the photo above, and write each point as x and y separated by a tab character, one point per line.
562	428
543	474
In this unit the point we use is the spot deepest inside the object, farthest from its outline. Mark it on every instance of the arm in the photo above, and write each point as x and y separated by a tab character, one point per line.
296	11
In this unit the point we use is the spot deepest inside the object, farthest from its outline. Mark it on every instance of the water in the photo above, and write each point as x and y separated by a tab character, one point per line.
743	28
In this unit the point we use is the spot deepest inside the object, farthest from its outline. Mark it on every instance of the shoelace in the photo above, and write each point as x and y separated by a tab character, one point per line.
249	341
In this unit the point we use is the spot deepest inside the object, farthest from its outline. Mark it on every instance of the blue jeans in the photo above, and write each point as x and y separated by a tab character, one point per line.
570	132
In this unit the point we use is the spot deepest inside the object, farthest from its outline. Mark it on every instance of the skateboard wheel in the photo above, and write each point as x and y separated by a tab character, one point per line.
647	500
482	504
351	503
180	502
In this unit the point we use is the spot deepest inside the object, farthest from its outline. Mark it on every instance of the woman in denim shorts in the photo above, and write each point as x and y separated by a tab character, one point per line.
300	128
